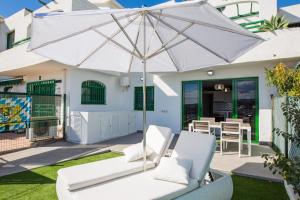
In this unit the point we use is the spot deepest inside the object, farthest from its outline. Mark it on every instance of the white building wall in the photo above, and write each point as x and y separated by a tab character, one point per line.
20	21
268	8
291	13
168	92
114	92
82	5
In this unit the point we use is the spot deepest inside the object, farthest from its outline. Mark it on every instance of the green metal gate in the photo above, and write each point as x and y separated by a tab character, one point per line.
46	118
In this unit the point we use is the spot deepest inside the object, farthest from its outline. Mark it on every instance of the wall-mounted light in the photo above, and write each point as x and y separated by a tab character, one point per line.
210	72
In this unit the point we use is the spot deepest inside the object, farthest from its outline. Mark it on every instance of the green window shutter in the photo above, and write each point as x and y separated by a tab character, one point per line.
92	92
10	40
43	98
41	88
138	98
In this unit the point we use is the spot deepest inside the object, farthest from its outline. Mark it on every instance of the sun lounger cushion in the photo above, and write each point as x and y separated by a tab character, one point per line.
158	138
140	186
173	170
136	152
81	176
197	147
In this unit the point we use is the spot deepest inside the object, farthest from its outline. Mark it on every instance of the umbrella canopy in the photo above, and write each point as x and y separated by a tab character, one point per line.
168	37
171	37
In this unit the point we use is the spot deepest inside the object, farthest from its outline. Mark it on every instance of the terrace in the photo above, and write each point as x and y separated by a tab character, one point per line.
33	171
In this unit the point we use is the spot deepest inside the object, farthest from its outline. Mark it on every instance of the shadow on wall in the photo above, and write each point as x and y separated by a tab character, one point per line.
3	34
290	17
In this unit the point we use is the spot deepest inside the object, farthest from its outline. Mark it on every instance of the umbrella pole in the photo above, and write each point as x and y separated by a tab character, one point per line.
144	116
144	97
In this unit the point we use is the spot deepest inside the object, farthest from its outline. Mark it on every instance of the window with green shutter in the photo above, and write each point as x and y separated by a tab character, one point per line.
10	40
92	92
138	98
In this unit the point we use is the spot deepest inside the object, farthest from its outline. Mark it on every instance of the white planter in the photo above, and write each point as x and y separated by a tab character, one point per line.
290	191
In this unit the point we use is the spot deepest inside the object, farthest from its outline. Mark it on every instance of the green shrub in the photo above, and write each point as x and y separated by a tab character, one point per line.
276	23
287	82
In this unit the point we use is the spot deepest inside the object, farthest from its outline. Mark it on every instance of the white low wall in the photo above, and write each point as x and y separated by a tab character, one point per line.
94	127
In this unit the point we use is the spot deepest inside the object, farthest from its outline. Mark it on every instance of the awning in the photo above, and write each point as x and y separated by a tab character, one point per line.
14	81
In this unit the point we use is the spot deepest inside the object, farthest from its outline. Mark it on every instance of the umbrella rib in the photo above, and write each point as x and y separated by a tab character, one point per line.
116	43
153	32
136	40
106	41
79	32
126	35
209	25
166	48
173	61
164	45
196	42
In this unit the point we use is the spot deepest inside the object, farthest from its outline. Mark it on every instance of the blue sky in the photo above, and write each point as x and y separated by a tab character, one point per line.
8	7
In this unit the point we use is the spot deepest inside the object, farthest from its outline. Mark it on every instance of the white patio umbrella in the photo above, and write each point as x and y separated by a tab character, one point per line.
163	38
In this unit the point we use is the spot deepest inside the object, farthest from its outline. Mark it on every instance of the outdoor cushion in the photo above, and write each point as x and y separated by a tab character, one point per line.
136	152
173	170
197	147
158	138
135	187
98	172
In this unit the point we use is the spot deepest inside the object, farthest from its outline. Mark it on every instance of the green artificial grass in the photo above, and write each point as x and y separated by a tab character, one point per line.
254	189
39	183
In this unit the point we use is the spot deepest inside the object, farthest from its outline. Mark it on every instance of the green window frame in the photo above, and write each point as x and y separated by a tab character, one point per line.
10	40
93	92
138	98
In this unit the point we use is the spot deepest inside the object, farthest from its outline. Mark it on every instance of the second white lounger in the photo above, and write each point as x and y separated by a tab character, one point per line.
142	186
80	176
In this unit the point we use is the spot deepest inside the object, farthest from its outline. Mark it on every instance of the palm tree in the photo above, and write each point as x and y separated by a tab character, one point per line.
276	23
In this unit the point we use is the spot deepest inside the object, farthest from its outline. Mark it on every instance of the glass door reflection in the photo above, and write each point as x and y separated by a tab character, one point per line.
246	100
191	109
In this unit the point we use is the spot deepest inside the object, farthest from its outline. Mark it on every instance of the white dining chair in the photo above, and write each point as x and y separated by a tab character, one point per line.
234	120
230	132
201	126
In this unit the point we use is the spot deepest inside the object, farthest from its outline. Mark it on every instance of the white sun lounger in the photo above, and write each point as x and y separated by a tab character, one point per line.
158	139
142	186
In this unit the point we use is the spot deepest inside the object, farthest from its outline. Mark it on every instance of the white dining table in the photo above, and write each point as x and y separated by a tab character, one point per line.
244	127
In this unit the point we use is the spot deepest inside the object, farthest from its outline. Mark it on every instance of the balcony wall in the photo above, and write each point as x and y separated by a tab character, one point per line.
18	57
278	45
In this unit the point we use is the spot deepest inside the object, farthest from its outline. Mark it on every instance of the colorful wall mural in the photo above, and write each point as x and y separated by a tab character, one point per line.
14	113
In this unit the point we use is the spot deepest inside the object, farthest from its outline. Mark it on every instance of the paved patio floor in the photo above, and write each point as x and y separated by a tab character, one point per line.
12	141
61	150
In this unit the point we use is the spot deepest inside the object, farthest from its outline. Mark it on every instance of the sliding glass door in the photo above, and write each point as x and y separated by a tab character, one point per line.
191	99
221	99
245	102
